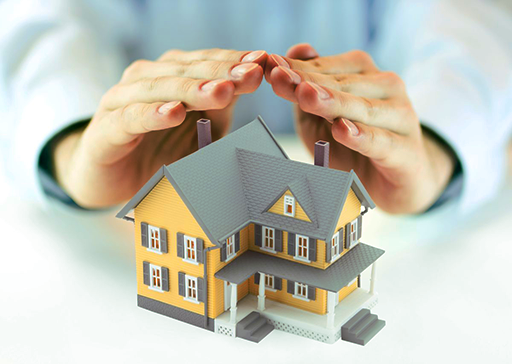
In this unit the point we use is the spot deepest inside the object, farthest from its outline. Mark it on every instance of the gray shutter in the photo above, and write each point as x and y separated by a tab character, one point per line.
291	244
165	279
328	250
180	245
347	236
312	249
163	241
237	242
279	240
223	252
144	234
278	283
199	250
145	272
290	287
200	290
257	278
311	293
359	226
181	284
257	235
342	237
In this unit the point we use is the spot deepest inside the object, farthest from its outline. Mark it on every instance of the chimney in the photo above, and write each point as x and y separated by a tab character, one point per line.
204	133
322	154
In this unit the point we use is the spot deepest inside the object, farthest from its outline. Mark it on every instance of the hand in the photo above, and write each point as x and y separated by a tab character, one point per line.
149	119
369	121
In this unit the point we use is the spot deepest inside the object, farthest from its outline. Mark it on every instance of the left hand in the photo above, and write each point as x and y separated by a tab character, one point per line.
369	121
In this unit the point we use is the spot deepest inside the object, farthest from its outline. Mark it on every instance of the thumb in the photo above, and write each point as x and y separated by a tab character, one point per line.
302	51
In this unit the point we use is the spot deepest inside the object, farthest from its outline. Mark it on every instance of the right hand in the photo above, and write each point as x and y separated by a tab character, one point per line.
149	119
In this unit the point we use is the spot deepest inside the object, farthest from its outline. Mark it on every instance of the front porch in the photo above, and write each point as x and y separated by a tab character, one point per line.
295	320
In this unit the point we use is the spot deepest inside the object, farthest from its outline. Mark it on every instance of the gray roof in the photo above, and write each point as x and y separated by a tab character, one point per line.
334	278
234	181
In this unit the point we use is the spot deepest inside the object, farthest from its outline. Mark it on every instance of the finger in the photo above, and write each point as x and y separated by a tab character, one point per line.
215	54
332	104
302	51
380	85
245	76
132	120
350	62
194	94
382	146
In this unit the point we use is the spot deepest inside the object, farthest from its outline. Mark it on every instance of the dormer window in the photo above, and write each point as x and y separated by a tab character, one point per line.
289	206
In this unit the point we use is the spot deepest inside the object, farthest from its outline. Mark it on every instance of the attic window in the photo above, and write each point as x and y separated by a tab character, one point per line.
289	206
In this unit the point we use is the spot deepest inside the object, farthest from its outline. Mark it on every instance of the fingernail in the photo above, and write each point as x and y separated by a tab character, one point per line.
240	70
280	60
294	76
165	108
322	94
251	57
352	128
208	86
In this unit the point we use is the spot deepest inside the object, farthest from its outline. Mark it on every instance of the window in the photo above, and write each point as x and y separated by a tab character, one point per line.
352	234
191	288
335	246
301	290
302	247
190	249
230	247
155	276
269	281
289	206
154	239
269	238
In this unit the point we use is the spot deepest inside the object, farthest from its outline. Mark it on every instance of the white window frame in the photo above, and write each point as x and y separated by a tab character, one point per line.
270	279
289	200
187	249
297	256
189	297
264	246
353	234
230	245
153	229
334	247
158	269
296	291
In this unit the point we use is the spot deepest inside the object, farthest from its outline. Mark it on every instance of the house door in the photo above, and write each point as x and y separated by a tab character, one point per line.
227	295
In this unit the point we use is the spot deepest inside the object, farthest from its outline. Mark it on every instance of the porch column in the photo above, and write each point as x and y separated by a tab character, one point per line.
234	299
331	306
261	293
372	279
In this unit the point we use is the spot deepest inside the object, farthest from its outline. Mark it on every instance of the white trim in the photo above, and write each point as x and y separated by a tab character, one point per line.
297	256
301	298
272	278
187	238
151	276
266	230
268	250
289	200
296	294
352	236
228	245
302	259
187	297
155	229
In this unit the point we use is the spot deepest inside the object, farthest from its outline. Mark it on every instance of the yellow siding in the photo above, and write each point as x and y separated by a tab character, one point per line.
318	305
350	211
278	208
216	286
345	291
163	207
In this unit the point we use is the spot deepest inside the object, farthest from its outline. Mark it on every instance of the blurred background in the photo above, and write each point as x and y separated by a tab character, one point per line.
68	276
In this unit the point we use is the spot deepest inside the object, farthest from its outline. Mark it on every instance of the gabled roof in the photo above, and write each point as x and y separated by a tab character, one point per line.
231	182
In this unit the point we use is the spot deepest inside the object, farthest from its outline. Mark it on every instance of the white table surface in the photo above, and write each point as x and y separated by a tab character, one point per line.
68	293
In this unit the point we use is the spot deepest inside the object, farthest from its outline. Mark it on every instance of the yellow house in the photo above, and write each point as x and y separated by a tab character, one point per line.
240	240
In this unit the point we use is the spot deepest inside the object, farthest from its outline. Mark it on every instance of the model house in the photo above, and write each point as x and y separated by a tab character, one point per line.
238	239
